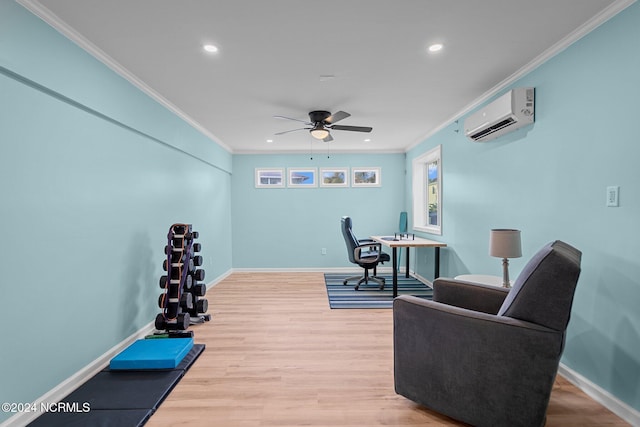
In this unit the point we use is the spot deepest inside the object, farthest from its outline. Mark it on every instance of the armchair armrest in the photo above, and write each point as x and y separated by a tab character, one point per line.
469	295
368	256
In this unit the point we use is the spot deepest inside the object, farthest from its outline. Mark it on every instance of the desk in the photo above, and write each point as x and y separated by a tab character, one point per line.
417	242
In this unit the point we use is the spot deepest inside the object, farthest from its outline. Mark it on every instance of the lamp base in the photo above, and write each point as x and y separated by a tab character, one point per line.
505	273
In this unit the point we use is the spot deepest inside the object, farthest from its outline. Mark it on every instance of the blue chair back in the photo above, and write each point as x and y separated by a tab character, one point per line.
349	238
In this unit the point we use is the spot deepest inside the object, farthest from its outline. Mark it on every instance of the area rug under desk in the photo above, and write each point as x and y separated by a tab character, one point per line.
369	296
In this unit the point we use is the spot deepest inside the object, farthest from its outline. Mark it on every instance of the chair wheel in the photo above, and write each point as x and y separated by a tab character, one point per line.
357	287
382	287
344	283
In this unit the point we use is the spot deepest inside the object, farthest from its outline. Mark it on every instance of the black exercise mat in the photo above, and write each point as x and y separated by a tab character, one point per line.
95	418
120	398
126	389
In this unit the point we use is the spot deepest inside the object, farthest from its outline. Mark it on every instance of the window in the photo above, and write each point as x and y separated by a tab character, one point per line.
427	191
269	178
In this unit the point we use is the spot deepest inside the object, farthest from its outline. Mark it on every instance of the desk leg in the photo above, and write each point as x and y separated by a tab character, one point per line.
407	271
395	272
436	266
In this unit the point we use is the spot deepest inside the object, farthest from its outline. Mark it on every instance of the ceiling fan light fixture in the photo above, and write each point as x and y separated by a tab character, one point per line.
319	132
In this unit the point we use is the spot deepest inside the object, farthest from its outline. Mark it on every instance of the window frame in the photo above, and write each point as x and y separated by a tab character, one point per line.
420	187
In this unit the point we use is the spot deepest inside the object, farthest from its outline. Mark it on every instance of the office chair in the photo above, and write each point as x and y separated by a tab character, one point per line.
365	253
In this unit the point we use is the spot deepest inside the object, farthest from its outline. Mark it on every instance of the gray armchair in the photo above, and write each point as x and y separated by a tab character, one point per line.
485	355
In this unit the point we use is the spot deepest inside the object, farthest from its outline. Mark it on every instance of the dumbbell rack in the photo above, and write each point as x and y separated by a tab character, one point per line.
182	301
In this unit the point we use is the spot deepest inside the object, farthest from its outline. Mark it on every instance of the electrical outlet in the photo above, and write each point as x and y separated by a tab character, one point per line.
323	251
612	196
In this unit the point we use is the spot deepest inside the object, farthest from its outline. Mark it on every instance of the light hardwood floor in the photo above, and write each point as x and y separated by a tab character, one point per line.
277	355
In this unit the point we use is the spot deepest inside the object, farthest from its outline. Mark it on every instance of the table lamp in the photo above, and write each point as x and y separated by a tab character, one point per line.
505	244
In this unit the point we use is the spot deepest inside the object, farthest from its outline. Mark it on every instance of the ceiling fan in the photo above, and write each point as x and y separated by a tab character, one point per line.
321	122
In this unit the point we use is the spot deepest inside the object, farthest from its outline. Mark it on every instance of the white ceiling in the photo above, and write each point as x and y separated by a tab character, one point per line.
274	57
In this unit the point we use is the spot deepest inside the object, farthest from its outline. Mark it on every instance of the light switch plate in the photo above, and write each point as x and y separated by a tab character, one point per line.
612	196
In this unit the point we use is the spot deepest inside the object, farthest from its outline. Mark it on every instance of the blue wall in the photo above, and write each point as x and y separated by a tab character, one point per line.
90	169
92	174
288	227
549	181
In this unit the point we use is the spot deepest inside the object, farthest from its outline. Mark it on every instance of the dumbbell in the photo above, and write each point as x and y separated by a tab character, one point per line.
189	235
180	229
198	274
182	322
160	323
199	289
187	283
176	264
186	301
202	305
175	279
162	300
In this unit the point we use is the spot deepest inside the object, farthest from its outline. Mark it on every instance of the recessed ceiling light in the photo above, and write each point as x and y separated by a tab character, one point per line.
367	140
210	48
435	47
269	141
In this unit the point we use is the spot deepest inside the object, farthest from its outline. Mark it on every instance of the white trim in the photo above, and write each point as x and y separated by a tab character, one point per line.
41	11
597	20
386	270
420	189
600	395
67	386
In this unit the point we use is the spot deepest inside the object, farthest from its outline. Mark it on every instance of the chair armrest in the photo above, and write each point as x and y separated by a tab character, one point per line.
469	295
363	241
371	259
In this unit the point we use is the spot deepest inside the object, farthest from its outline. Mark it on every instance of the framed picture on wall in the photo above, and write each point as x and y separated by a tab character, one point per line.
270	178
334	177
302	178
366	177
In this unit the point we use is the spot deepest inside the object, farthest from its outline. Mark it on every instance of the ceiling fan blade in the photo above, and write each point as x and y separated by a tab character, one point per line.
287	131
337	117
328	138
289	118
352	128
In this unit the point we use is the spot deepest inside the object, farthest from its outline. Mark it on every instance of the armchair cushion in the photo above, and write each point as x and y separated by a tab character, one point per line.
543	292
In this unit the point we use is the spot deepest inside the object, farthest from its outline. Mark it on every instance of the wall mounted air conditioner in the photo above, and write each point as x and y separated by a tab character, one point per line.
507	113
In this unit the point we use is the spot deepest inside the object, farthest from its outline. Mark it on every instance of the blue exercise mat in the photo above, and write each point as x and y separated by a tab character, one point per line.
159	353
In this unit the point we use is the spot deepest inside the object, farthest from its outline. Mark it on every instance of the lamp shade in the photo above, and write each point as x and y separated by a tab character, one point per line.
505	243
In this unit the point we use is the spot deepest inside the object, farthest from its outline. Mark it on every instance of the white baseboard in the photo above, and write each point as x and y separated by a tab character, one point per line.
76	380
346	270
603	397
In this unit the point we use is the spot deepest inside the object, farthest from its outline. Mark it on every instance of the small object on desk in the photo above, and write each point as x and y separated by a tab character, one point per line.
403	236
